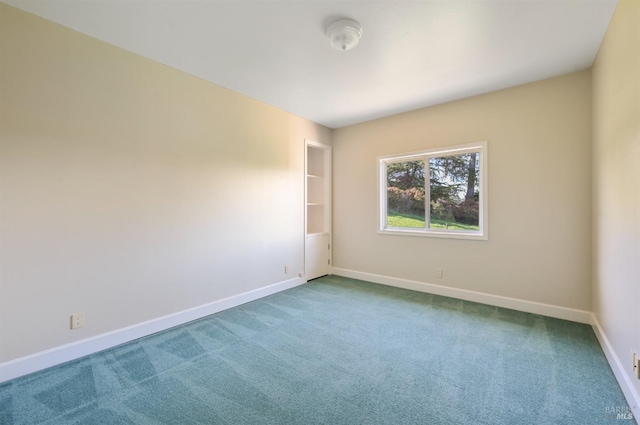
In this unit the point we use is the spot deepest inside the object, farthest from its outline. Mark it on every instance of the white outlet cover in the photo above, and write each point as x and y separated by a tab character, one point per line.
77	320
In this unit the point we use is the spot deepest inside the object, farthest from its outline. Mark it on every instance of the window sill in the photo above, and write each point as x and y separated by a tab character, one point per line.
435	234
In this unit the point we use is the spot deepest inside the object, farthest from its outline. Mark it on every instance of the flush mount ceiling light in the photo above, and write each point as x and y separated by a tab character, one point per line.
344	34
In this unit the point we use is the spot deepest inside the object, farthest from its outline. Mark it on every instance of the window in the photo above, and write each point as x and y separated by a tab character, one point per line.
439	192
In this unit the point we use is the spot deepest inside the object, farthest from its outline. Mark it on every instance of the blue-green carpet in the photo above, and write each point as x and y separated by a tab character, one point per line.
335	351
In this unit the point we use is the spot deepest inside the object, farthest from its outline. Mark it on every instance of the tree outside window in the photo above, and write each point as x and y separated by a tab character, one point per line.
452	204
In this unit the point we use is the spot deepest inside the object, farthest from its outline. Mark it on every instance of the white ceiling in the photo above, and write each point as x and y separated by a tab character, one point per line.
412	53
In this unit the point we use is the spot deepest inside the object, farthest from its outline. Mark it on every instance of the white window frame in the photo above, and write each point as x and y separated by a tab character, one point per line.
481	234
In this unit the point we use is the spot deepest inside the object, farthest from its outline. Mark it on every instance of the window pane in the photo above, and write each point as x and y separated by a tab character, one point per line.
405	194
454	183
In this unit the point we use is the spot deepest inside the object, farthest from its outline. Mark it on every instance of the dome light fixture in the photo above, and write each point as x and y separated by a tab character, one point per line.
344	34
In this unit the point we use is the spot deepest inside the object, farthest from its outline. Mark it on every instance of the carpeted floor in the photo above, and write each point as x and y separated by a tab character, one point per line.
335	351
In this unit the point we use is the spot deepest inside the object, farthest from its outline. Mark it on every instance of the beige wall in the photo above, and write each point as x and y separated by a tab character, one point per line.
130	190
539	246
616	183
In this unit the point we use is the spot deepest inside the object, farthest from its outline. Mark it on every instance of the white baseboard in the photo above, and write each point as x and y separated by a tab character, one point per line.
549	310
64	353
629	391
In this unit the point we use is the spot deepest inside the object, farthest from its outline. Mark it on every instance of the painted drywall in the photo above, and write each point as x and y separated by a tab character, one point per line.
130	190
539	155
616	184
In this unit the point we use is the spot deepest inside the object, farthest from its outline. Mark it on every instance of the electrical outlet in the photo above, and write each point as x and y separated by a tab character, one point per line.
77	320
300	274
439	273
286	269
